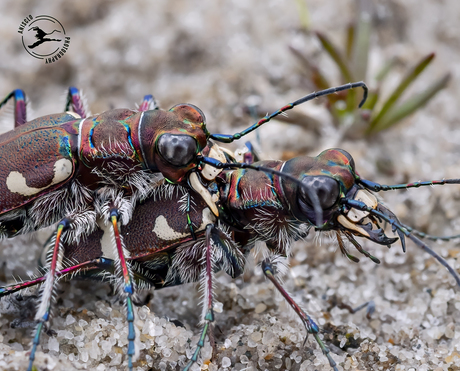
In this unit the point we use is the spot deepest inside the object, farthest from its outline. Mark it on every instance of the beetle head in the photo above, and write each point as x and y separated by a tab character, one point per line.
171	140
326	181
179	145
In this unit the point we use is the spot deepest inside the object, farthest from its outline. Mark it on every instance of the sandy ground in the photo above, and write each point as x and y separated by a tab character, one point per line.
216	55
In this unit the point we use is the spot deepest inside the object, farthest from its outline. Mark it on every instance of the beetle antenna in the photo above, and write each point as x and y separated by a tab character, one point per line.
376	187
238	165
228	138
429	236
396	225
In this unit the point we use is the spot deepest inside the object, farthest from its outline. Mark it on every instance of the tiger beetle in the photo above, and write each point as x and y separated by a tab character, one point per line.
71	168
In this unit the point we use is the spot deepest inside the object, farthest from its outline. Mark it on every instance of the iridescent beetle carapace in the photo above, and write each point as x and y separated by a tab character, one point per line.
72	167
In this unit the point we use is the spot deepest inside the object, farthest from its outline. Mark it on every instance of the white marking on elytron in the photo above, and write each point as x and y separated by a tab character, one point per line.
80	128
17	183
106	240
139	138
74	114
166	233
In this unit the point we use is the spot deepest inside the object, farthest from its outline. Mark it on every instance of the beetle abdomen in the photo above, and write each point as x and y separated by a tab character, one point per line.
23	182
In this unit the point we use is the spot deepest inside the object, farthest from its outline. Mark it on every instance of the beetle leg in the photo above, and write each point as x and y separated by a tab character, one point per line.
207	277
44	307
148	104
310	325
126	286
88	266
76	102
369	305
20	106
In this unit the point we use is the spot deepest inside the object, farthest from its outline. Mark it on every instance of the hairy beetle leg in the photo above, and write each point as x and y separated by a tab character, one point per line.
126	287
20	106
310	325
207	286
76	103
148	103
43	312
74	269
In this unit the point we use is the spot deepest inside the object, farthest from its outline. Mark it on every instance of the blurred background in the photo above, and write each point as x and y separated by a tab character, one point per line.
238	60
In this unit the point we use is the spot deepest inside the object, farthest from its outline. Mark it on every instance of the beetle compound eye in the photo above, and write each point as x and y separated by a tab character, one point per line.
326	188
178	150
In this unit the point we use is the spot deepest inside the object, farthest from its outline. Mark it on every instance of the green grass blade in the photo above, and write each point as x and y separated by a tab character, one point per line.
350	40
311	70
361	46
341	63
304	14
336	57
403	85
412	104
320	81
385	70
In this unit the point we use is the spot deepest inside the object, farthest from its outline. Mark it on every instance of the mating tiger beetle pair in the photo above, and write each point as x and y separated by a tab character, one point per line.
146	198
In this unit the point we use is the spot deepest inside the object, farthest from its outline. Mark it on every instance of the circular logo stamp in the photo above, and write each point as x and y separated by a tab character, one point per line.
44	37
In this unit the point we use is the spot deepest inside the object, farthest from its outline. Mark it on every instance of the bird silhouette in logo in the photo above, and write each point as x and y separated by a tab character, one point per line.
40	36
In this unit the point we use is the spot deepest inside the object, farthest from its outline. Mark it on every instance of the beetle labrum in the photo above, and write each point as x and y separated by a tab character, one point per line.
259	203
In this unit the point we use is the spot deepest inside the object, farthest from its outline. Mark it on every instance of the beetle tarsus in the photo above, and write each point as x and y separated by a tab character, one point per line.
311	327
